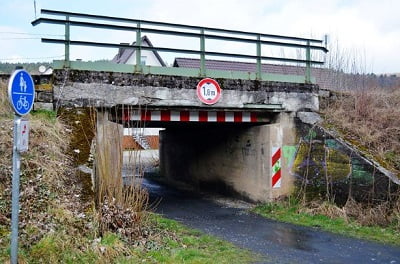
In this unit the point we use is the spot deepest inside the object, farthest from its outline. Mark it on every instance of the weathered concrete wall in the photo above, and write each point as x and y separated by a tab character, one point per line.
232	160
322	165
100	89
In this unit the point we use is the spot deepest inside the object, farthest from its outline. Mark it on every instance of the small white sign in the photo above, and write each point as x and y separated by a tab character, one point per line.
23	136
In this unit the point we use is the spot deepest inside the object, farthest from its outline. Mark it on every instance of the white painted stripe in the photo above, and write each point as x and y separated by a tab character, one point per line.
212	117
274	150
155	116
136	115
194	116
229	117
278	183
246	117
175	116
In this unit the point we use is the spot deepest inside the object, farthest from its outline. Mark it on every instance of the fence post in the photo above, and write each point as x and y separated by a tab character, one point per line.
67	43
138	66
308	63
259	57
202	54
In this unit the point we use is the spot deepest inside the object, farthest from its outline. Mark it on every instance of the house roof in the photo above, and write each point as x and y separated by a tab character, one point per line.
323	76
125	53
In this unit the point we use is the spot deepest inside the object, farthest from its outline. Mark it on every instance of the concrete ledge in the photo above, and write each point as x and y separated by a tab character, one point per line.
107	89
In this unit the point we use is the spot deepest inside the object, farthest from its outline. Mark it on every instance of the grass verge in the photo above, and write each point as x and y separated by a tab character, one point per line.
171	243
293	212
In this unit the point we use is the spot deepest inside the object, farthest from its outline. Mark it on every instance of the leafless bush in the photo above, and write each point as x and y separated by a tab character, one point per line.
383	214
369	215
371	120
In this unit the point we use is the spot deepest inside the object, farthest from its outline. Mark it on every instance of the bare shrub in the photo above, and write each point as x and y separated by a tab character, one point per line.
371	120
369	215
382	214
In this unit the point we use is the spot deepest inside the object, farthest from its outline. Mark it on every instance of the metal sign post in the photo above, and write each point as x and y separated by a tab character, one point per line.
15	193
21	93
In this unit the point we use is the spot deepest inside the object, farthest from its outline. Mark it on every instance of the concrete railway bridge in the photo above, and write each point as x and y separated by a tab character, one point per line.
223	128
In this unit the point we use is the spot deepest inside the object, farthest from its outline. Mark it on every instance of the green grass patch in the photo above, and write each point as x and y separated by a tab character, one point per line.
191	246
45	114
171	243
290	212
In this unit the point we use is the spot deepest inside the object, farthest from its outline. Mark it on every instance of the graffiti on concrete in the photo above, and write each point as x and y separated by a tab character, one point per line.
323	164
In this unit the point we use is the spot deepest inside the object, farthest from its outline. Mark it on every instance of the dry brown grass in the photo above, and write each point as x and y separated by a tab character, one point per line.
325	208
382	214
121	209
45	171
371	120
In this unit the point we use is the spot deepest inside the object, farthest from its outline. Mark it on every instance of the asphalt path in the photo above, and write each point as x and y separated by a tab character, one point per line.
276	242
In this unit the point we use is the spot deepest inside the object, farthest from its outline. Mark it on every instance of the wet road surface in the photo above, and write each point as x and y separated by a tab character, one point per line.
277	242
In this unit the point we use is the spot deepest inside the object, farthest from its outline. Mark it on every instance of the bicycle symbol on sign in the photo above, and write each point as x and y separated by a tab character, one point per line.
22	103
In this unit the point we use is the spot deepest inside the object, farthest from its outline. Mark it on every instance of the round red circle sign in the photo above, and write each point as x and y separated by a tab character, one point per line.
208	91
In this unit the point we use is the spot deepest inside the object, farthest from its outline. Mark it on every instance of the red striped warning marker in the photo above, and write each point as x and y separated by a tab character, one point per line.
190	116
276	167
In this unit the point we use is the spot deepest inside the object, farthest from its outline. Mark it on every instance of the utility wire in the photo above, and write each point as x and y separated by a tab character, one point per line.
30	34
37	58
17	38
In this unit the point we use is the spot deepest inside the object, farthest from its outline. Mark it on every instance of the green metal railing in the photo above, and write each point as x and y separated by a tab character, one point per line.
70	19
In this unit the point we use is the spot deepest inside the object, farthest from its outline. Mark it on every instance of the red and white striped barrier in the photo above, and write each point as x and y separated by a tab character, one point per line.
276	167
190	116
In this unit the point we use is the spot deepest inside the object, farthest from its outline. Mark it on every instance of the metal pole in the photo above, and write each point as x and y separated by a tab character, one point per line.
308	63
15	193
67	44
202	54
138	50
259	57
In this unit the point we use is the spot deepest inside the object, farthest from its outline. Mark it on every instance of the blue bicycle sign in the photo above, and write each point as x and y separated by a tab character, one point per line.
21	92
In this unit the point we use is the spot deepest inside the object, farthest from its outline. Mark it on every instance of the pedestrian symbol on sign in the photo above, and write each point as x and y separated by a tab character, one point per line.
22	83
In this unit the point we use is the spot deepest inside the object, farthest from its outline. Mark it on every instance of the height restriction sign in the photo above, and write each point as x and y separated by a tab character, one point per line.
208	91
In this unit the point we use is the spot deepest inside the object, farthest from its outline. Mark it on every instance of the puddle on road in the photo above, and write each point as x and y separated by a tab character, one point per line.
290	237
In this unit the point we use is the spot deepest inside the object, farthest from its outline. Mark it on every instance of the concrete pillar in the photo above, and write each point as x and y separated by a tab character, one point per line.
108	168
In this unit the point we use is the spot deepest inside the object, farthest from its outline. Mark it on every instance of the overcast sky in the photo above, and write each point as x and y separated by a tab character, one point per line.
369	30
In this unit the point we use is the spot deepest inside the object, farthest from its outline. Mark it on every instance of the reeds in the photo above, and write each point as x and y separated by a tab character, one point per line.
121	209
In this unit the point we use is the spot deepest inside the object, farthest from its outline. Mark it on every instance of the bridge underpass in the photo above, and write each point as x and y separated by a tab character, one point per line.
225	151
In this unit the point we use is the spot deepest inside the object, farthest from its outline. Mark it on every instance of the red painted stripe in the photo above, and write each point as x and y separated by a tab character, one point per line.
253	117
203	116
276	156
146	115
220	116
237	117
166	115
126	115
185	116
276	177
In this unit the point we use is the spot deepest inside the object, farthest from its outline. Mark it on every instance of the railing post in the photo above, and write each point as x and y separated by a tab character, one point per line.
67	42
308	63
259	57
202	54
138	66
